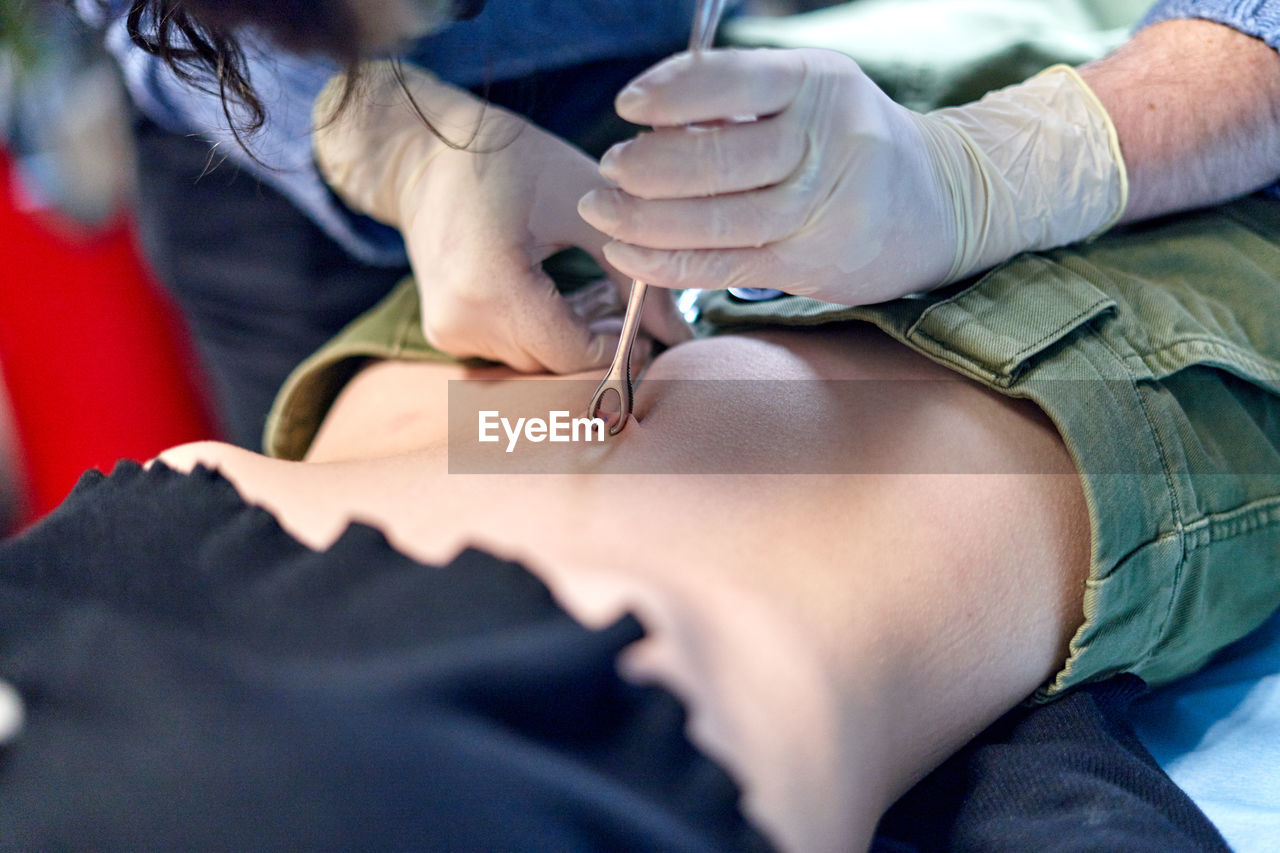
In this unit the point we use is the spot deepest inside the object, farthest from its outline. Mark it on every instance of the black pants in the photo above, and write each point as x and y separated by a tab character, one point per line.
261	286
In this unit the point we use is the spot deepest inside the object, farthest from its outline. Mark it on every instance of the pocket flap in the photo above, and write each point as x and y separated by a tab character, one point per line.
1017	311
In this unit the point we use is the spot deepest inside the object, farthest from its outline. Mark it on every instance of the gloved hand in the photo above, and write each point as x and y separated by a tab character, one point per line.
477	222
803	176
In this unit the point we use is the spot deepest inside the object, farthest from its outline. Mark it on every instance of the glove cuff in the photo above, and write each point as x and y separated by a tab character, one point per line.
1031	167
374	149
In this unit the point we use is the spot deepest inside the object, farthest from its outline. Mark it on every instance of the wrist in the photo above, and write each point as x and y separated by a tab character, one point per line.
1028	168
374	148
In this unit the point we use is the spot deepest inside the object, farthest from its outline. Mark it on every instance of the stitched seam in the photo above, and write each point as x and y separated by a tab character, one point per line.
1259	363
1003	369
954	299
1150	543
964	365
1096	583
1250	518
1178	521
1058	332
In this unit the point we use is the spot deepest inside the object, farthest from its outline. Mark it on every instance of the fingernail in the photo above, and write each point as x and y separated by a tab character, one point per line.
623	257
628	99
599	209
609	162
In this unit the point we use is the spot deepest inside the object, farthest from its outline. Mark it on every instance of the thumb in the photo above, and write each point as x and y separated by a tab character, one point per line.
559	339
593	242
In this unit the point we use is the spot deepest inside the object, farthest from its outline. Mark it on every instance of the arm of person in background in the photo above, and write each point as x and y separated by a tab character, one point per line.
1197	108
482	197
836	192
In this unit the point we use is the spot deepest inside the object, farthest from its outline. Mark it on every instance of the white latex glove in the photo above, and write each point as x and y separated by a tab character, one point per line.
476	222
834	191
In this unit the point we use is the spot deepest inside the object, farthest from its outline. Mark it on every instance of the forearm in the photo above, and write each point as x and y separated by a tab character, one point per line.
279	154
376	149
1197	108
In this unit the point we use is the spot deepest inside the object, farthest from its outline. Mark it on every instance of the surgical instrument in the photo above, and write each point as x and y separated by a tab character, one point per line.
618	380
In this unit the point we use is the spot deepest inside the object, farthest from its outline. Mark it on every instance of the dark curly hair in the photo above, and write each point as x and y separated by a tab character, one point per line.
197	40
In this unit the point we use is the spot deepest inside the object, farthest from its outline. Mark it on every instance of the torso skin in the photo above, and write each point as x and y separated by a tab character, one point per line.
835	635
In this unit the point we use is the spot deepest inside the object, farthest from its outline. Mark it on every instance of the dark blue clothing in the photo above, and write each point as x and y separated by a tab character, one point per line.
1067	776
509	40
194	678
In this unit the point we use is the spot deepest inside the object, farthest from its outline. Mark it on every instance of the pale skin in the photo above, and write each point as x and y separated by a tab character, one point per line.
834	636
1197	108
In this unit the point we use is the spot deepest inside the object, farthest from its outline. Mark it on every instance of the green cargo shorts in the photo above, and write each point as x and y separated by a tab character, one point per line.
1156	352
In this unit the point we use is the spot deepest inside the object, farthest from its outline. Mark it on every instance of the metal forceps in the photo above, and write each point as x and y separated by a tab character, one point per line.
618	380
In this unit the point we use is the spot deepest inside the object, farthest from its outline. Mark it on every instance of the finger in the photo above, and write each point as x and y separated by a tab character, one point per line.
593	245
703	161
549	332
596	301
742	220
700	269
713	85
531	328
663	320
461	344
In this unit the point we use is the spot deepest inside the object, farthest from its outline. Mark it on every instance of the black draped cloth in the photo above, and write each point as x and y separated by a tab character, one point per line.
194	678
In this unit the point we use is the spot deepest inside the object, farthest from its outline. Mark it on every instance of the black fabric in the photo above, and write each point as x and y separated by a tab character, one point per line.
261	286
196	679
1067	776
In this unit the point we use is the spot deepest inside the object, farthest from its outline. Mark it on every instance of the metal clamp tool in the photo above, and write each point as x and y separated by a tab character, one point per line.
617	382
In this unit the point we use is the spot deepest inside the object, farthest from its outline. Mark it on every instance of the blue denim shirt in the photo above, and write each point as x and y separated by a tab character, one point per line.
509	39
1258	18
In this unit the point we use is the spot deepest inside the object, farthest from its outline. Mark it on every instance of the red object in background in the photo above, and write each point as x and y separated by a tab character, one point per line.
94	357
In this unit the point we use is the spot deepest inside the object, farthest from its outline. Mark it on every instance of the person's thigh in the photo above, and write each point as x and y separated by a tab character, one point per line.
836	635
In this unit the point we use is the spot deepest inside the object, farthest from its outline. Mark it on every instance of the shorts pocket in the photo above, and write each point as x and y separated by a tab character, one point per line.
997	328
1199	290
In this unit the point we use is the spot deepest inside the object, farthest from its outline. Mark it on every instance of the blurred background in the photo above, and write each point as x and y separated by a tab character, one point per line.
62	111
94	360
